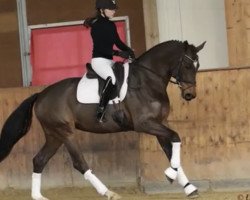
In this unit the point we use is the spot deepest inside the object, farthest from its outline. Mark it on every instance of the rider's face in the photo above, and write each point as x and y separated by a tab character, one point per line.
109	13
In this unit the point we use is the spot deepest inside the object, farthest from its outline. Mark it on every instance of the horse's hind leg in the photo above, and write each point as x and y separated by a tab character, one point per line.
80	164
190	190
50	147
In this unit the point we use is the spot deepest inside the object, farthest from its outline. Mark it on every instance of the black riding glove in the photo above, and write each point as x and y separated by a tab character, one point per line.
124	54
131	55
115	53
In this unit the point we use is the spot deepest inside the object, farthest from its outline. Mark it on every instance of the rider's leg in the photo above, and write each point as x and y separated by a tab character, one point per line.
105	97
103	67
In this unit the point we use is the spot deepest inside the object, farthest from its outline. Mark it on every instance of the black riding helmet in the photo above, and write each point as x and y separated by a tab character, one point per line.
106	4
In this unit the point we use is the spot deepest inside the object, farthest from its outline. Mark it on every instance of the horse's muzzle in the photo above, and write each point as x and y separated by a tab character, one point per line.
188	92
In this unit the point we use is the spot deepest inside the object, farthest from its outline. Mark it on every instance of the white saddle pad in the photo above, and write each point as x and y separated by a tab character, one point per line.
87	89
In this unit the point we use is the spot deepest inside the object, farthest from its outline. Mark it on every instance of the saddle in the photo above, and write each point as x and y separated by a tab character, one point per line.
118	70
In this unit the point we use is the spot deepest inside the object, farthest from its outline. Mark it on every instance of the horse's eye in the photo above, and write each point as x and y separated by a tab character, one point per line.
189	66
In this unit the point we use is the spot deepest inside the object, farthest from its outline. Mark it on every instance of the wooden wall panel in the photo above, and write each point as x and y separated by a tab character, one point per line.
238	20
10	70
151	23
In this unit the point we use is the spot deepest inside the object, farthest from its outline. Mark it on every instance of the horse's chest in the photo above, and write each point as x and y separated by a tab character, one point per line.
158	109
155	105
155	108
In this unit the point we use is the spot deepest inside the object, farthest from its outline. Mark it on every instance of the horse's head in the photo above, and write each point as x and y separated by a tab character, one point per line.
185	72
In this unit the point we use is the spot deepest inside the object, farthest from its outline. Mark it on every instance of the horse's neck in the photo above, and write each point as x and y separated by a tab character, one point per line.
158	62
160	68
148	79
157	67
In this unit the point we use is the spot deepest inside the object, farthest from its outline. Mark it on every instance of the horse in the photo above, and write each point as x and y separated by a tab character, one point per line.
145	106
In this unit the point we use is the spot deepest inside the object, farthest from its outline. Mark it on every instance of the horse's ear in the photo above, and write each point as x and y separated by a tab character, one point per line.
200	47
186	45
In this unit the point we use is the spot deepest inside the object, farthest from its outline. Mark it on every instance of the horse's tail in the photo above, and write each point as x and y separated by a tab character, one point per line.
16	126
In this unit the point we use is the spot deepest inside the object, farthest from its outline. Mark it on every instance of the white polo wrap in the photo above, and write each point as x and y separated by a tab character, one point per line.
97	184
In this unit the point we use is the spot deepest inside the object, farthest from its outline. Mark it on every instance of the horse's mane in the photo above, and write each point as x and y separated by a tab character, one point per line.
168	44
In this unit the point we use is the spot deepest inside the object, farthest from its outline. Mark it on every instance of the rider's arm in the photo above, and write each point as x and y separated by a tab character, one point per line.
121	45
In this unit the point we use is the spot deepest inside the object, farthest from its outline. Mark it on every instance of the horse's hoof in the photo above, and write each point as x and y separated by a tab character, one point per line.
112	195
169	179
191	191
40	198
193	195
171	174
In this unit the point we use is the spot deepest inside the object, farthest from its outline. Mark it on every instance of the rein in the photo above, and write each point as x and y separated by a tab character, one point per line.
177	78
150	70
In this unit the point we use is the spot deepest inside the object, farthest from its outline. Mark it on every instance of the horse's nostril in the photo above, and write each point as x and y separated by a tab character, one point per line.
189	96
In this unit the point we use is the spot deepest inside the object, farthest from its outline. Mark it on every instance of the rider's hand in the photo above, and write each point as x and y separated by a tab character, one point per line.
116	53
132	55
124	54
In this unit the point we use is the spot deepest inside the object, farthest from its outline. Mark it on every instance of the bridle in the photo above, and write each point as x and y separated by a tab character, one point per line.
178	80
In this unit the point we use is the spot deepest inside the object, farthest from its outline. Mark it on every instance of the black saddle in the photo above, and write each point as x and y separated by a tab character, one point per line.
118	70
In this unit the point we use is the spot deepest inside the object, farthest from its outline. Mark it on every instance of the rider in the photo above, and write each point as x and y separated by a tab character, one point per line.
104	35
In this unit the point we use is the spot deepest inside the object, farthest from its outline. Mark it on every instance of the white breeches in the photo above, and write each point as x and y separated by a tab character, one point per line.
103	67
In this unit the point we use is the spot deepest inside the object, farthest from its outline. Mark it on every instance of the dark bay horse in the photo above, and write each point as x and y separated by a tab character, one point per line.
143	110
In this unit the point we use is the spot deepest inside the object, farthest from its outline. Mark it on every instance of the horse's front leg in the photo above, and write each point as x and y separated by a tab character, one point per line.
153	127
171	144
189	189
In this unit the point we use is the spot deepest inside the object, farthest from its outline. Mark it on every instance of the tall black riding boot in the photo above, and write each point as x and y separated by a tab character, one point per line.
105	97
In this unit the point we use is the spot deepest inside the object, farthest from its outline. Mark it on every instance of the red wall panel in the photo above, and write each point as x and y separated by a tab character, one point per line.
62	52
